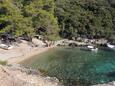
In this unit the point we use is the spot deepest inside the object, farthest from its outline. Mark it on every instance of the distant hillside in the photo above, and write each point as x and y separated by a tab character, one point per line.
94	18
58	18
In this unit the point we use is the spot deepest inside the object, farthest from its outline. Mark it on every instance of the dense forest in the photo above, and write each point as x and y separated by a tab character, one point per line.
56	19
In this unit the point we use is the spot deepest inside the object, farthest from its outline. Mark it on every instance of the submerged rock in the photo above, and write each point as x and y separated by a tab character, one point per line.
107	84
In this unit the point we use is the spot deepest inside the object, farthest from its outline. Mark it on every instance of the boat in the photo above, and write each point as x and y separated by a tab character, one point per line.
6	47
112	47
90	48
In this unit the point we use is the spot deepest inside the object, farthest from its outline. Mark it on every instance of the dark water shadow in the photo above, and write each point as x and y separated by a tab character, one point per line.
80	82
111	74
106	49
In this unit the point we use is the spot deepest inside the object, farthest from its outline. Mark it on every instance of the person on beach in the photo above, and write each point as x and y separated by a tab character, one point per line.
46	42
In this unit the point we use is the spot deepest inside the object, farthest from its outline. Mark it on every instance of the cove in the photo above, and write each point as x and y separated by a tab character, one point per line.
75	67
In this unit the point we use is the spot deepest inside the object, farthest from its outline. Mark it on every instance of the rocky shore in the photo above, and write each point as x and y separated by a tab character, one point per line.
82	42
22	51
16	75
107	84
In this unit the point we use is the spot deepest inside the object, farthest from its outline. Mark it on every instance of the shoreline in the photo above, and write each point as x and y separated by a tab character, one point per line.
31	54
23	51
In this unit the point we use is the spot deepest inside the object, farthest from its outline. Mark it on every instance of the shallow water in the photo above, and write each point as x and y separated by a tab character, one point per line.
75	67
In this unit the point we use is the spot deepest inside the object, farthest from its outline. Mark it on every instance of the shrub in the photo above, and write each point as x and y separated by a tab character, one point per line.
3	62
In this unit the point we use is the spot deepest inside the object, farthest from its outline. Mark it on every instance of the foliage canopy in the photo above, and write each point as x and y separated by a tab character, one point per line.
55	18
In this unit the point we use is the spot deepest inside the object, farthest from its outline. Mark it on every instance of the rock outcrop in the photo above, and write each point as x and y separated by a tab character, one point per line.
107	84
17	75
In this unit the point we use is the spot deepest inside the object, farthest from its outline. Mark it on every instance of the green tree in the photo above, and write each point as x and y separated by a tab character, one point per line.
42	14
12	20
86	17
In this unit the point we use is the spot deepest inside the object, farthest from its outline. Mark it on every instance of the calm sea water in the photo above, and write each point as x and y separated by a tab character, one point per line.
75	67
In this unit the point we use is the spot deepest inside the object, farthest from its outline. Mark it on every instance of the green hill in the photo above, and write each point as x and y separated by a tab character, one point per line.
58	18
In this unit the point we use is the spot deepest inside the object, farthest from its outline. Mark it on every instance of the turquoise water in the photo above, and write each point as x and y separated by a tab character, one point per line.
75	67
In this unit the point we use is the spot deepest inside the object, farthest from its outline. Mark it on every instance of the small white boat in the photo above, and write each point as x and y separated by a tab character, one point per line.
92	48
10	47
6	47
89	48
111	46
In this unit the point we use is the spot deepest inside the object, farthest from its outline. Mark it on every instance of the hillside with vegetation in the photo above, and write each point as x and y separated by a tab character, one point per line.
56	19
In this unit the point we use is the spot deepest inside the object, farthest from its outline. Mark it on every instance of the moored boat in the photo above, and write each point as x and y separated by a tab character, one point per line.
110	46
6	47
90	48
